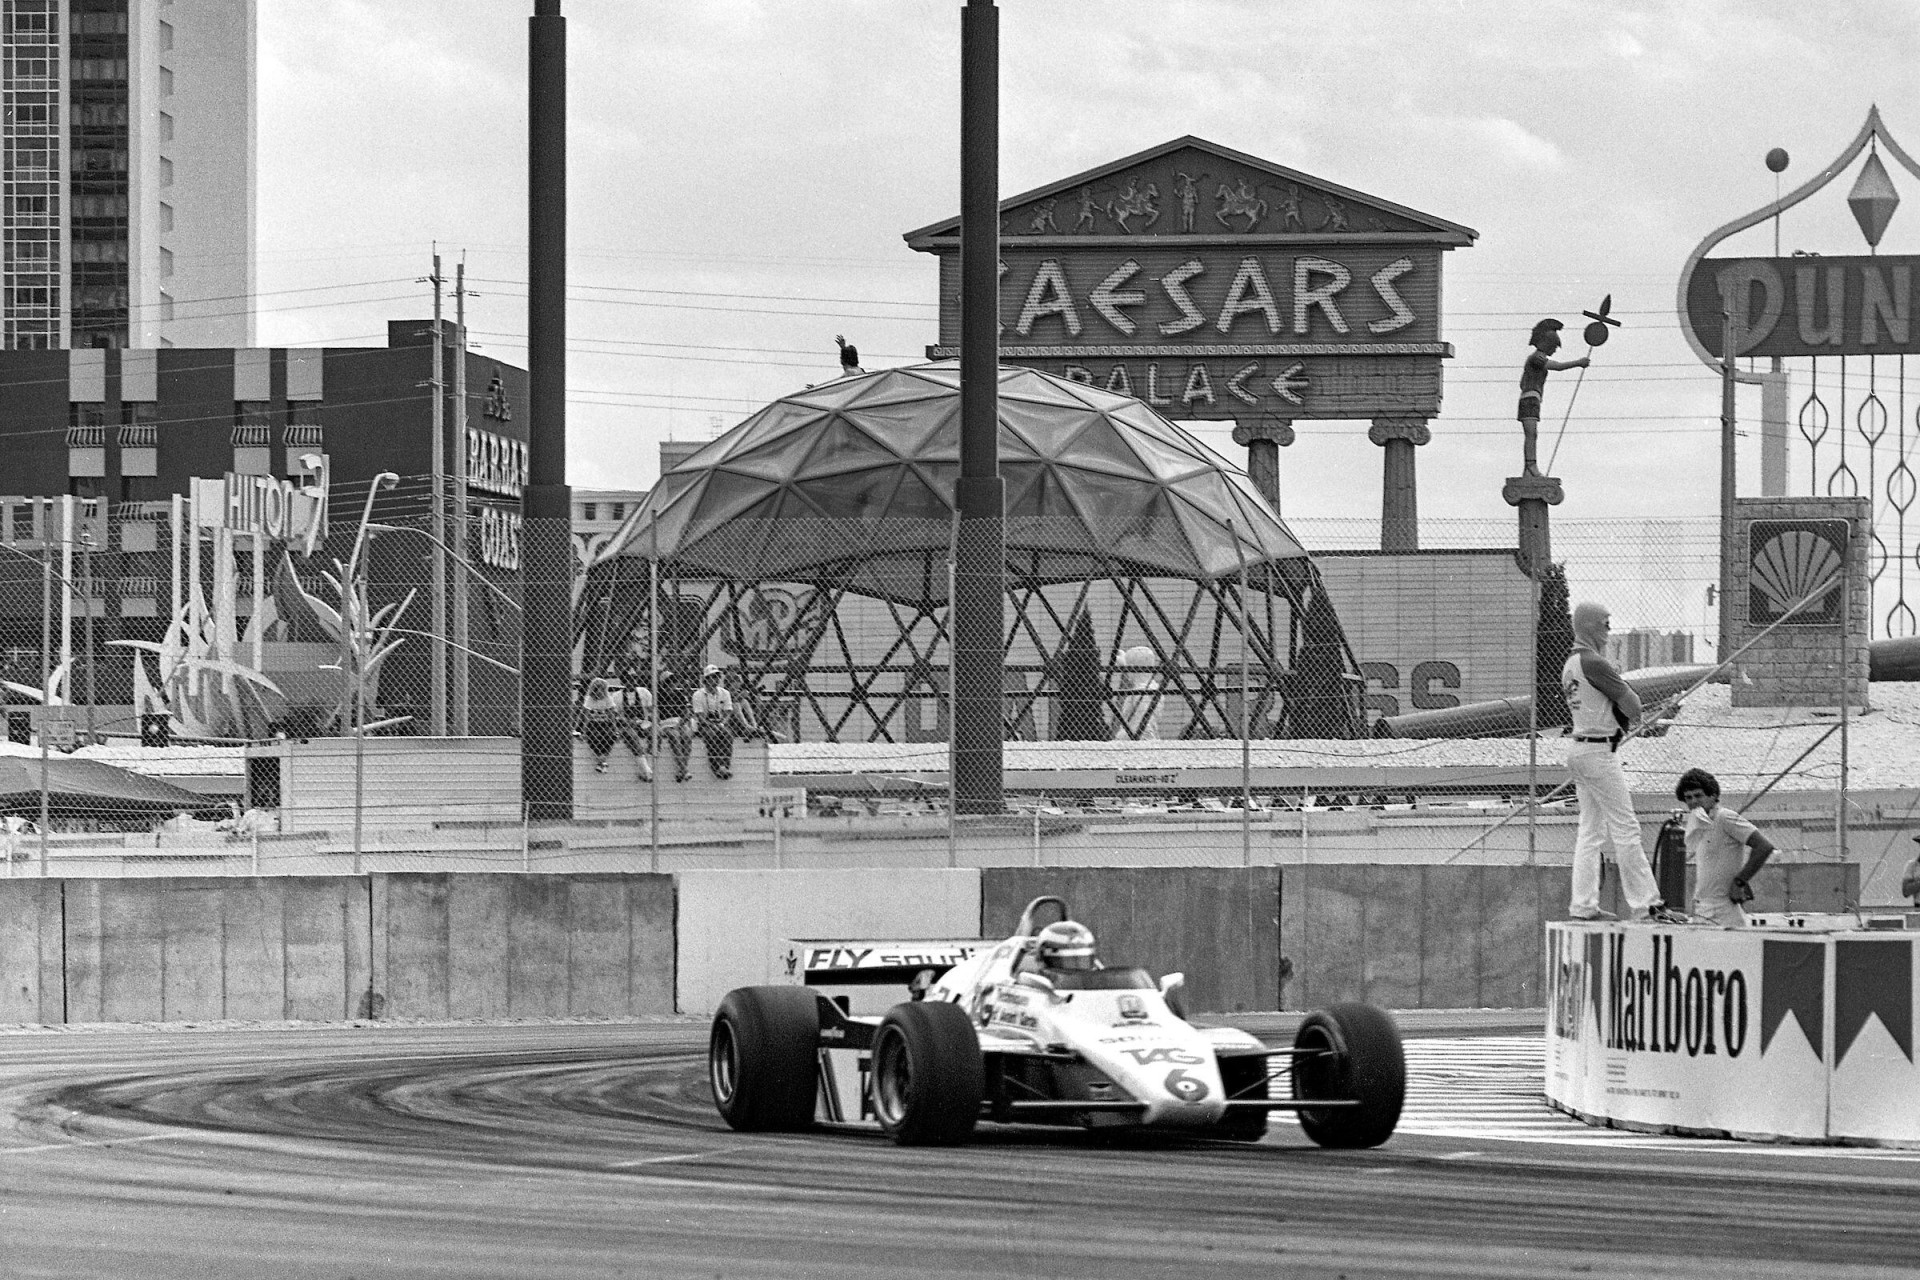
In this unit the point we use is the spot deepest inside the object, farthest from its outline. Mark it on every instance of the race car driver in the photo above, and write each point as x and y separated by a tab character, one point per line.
1067	944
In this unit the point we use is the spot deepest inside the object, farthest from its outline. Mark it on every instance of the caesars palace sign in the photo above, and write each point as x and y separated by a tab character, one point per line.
1213	285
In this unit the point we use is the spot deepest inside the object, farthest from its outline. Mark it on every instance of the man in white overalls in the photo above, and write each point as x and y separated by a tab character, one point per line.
1604	708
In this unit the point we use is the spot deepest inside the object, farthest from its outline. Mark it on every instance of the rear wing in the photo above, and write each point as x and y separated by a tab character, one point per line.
843	962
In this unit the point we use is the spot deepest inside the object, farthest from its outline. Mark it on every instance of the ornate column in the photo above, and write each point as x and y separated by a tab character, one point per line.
1533	495
1399	493
1263	442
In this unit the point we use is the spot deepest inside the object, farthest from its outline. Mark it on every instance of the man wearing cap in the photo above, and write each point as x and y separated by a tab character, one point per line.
712	715
1533	384
1604	707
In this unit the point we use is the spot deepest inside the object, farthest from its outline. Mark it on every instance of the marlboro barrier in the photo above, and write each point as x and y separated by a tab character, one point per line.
1801	1033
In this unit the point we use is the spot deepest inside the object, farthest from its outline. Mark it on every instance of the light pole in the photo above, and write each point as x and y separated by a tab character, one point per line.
86	598
47	575
350	669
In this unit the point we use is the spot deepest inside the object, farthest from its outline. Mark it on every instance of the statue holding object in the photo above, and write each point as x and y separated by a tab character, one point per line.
1533	382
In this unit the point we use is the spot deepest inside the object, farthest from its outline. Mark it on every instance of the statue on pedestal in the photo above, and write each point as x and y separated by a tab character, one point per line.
1533	382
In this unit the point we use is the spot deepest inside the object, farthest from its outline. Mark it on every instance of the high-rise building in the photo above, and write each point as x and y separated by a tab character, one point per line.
127	139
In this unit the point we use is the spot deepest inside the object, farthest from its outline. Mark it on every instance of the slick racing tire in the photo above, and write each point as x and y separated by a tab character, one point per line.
763	1058
1350	1052
928	1076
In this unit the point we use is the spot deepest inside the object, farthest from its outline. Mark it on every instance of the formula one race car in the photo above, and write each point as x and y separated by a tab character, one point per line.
1033	1030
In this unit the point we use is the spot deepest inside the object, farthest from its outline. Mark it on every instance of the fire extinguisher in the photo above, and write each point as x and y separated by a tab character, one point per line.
1670	861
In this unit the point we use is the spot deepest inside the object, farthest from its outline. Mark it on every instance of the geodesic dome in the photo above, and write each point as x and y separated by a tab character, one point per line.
885	448
843	491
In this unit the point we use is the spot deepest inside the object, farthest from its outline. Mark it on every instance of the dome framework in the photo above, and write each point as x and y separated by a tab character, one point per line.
813	543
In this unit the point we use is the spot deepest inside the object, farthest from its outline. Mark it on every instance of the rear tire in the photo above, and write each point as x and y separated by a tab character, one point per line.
763	1058
928	1075
1353	1052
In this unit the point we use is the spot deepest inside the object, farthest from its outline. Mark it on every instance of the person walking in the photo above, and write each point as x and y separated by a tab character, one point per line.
1604	708
1727	850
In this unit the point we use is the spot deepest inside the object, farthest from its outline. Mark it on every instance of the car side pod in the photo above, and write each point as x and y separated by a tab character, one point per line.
763	1060
1349	1054
929	1078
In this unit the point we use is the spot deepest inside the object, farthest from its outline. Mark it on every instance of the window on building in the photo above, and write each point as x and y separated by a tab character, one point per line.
166	216
86	425
139	424
252	423
589	511
166	35
303	425
166	262
166	127
142	489
166	172
619	511
87	486
166	82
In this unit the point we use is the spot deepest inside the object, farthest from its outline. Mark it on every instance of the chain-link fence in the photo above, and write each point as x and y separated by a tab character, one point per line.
1171	689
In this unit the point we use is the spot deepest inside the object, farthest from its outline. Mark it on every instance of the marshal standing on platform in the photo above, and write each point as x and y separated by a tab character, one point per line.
1604	708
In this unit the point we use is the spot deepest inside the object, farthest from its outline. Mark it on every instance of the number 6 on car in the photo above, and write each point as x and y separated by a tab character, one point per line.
1034	1030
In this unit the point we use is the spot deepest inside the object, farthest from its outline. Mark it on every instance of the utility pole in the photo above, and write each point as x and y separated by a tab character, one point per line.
462	691
546	628
979	600
437	704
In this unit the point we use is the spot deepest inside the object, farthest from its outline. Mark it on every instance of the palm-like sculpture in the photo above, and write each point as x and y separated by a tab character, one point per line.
209	691
366	635
203	686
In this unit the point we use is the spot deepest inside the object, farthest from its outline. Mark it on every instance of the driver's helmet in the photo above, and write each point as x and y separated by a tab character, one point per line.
1066	945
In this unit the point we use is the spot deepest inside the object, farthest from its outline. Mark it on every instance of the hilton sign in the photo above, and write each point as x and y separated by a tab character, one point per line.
1213	285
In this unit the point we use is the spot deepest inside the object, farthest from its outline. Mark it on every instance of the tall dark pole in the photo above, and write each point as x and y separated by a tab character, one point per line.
546	636
979	592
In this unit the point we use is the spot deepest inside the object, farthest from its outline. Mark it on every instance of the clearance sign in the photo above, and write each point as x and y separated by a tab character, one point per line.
1213	285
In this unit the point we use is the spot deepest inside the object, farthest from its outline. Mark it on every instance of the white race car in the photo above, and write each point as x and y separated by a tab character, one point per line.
996	1036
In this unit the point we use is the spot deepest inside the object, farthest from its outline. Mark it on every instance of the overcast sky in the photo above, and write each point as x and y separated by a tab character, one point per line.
742	173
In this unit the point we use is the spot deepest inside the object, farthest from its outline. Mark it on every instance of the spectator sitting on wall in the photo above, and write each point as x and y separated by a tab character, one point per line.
714	718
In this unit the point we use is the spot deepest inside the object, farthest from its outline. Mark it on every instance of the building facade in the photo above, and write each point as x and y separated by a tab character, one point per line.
128	129
125	433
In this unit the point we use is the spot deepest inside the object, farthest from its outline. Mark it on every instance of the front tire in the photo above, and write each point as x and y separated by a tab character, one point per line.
1350	1052
928	1075
763	1058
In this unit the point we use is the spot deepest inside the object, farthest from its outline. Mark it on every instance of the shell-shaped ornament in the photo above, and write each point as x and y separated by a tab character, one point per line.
1793	564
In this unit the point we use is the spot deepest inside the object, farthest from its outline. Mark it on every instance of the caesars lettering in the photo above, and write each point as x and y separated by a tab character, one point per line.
1658	1008
1255	297
1427	679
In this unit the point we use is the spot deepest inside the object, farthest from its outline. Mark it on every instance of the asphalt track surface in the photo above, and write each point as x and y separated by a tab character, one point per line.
592	1149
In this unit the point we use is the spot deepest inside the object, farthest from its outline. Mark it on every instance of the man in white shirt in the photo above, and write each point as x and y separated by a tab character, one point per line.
1727	850
1604	708
712	716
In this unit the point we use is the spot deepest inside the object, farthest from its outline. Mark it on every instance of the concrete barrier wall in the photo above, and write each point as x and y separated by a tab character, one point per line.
732	922
522	946
1218	925
32	989
1463	937
217	947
